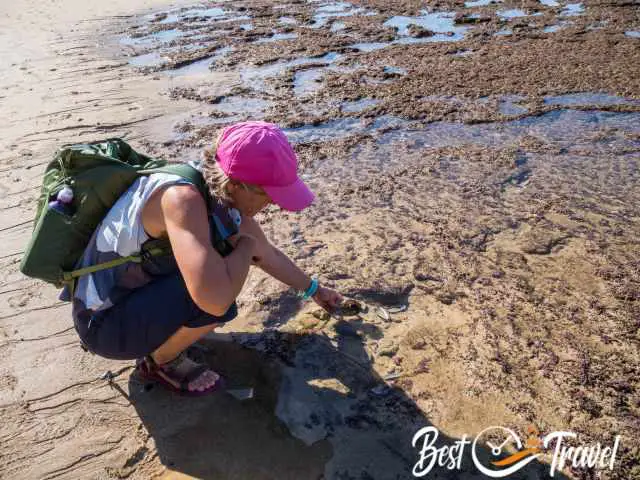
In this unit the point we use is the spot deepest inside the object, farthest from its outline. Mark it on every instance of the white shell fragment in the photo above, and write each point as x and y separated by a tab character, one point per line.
383	314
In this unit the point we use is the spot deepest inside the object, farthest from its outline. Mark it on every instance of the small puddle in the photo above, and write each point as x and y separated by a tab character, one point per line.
337	26
276	37
200	67
359	105
309	80
215	12
287	21
395	70
335	10
439	27
234	19
235	104
507	105
438	23
164	36
234	108
572	10
206	14
443	99
632	34
255	77
587	99
153	59
505	32
513	13
370	46
319	133
555	28
334	7
480	3
550	3
171	18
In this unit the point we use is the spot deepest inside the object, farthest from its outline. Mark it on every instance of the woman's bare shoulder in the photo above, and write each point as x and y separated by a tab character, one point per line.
175	203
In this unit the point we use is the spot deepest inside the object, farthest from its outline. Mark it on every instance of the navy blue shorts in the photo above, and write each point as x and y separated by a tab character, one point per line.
142	321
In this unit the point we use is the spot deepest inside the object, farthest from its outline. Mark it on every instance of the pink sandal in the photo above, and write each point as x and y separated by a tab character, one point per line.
149	370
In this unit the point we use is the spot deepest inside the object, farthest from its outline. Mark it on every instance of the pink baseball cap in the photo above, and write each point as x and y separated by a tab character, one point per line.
259	153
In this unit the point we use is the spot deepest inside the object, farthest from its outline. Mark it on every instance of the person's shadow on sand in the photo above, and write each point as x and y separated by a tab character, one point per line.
316	413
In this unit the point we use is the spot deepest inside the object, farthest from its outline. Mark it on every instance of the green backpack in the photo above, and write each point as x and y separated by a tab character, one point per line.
94	176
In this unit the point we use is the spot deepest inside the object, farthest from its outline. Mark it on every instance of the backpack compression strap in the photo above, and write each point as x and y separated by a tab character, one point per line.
136	258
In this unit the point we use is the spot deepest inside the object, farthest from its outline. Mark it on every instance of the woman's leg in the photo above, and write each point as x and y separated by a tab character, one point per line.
174	346
159	319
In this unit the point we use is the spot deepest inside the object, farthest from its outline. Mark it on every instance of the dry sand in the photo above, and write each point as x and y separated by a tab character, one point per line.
506	226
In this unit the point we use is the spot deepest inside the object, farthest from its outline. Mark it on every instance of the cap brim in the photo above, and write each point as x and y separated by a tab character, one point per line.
294	197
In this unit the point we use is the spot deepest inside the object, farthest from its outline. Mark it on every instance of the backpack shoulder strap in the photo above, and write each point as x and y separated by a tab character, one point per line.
186	171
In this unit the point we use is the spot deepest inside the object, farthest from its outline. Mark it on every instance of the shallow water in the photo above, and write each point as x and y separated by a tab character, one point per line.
441	22
152	59
335	10
632	34
201	67
508	105
287	21
572	9
480	3
564	130
513	13
334	7
586	98
555	28
396	70
359	105
164	36
370	46
247	106
255	77
215	12
207	13
550	3
276	37
559	126
309	80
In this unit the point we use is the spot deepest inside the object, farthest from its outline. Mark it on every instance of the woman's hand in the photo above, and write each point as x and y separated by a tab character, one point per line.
327	298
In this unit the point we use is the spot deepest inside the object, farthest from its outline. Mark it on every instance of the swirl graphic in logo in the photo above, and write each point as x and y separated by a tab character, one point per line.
513	462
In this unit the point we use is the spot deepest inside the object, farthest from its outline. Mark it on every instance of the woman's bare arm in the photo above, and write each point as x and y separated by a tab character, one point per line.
212	281
272	260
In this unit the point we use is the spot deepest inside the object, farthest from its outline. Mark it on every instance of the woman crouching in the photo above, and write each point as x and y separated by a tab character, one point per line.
154	310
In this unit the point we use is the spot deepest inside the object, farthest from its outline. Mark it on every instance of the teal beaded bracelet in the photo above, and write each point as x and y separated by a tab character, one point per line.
311	291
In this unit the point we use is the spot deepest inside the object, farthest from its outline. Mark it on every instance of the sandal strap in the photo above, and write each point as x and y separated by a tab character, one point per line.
169	369
170	365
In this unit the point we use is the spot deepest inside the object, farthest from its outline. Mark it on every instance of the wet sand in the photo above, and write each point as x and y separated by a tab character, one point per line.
476	169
